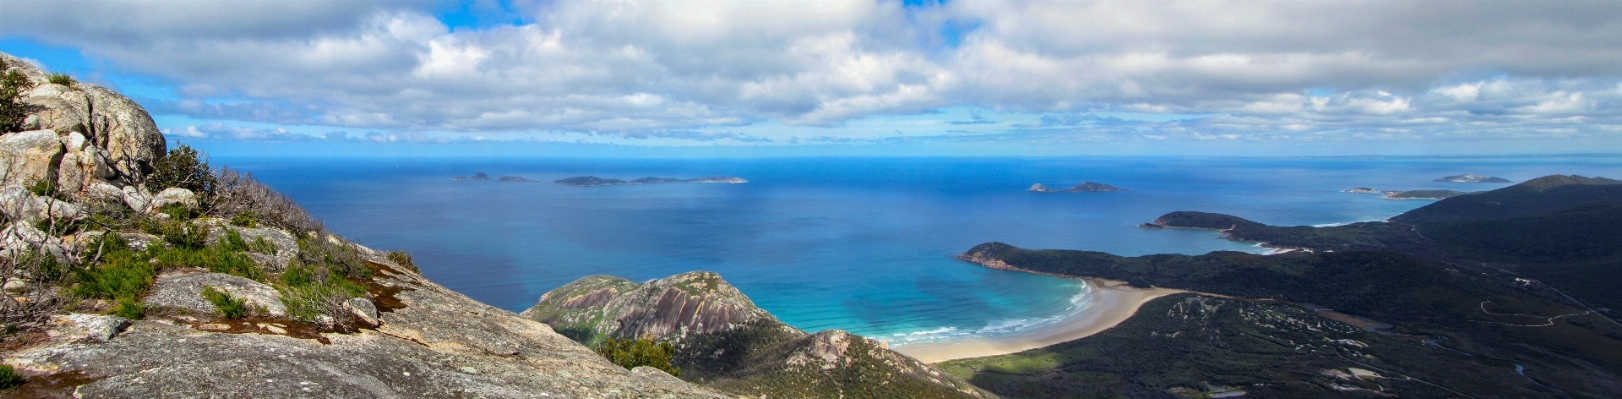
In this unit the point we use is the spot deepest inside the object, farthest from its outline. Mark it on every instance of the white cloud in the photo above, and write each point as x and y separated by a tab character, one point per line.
1381	70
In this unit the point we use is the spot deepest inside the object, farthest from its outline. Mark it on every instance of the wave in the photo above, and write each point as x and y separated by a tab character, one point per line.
1077	304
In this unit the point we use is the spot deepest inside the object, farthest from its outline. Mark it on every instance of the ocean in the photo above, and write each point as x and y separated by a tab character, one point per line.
860	244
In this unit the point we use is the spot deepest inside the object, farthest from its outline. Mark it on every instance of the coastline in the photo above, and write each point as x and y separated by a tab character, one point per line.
1114	303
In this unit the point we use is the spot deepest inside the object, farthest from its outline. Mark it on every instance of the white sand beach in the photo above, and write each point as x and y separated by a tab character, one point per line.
1115	303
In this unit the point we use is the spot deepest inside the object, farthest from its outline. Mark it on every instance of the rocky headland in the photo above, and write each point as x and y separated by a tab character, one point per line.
1407	195
594	181
726	343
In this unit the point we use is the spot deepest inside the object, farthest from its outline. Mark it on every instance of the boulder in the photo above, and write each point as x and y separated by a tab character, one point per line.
136	198
85	328
28	157
17	203
184	290
363	310
108	120
172	195
286	244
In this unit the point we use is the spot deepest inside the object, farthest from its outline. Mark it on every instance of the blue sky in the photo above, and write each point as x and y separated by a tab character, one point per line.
642	78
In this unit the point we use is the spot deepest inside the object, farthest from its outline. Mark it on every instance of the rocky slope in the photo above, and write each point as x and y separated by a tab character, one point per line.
106	271
725	342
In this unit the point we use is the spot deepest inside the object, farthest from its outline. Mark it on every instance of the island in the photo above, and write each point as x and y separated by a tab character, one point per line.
1407	195
516	179
1083	187
476	176
594	181
1469	178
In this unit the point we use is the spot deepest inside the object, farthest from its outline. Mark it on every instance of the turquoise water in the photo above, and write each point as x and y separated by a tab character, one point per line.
861	244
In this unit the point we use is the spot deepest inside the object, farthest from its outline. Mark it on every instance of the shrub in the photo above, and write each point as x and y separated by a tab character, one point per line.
182	168
230	308
122	275
337	257
312	291
129	308
12	109
183	235
237	194
632	353
249	219
62	79
261	246
9	378
215	259
403	259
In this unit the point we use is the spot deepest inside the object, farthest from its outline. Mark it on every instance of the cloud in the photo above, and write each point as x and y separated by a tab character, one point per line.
688	70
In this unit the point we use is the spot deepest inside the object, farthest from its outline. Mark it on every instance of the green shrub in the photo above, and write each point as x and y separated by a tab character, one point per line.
249	219
403	259
215	259
632	353
182	168
338	257
180	212
62	79
129	308
183	235
234	242
122	275
261	246
230	308
12	110
310	291
9	378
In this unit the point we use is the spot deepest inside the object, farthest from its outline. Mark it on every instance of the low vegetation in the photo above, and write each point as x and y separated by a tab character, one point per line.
9	378
229	308
12	110
631	353
62	79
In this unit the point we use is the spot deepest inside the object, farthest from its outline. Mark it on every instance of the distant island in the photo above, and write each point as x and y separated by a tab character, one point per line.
1083	187
1469	178
594	181
476	176
1405	195
516	179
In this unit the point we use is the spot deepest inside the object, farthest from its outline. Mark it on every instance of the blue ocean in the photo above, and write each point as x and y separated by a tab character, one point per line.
860	244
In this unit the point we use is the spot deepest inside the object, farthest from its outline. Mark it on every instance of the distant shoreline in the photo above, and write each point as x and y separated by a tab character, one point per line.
1113	302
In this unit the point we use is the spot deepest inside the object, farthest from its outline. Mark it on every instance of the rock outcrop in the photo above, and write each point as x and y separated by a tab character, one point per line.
725	342
116	136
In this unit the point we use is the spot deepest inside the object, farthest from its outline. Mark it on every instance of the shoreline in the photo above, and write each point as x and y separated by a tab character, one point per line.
1114	302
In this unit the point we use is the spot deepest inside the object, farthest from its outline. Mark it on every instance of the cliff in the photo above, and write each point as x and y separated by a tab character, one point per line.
724	342
133	270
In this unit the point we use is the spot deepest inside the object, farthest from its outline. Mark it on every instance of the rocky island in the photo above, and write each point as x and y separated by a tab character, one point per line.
1407	195
520	179
1079	188
594	181
481	176
1469	178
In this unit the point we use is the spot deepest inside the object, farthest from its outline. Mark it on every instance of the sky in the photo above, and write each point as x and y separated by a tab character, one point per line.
780	78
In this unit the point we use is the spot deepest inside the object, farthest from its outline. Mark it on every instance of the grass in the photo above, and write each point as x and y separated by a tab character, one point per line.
403	259
229	308
62	79
312	291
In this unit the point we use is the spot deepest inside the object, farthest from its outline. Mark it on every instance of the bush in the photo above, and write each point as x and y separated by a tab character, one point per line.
184	235
215	259
12	109
249	219
122	275
230	308
312	291
632	353
403	259
237	194
9	378
62	79
130	309
182	168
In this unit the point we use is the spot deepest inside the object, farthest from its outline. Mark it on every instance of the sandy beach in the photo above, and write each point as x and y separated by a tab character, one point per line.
1115	303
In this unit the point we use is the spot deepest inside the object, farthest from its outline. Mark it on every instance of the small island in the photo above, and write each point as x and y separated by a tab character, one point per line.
594	181
476	176
516	179
1079	188
1407	195
1469	178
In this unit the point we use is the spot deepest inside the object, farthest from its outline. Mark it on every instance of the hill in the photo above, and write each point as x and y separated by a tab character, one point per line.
724	342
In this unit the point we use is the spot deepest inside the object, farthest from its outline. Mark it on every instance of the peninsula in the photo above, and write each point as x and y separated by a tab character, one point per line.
594	181
1407	195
